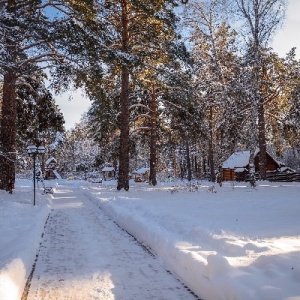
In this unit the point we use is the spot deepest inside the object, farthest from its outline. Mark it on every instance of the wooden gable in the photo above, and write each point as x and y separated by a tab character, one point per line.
271	164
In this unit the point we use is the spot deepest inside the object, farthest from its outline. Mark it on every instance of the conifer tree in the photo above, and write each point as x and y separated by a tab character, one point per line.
280	80
79	152
103	121
261	18
215	69
38	117
138	30
31	36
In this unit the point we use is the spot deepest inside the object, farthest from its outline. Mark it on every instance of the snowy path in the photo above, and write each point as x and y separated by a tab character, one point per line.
84	255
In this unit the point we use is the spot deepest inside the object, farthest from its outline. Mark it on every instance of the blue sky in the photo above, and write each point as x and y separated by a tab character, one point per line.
286	38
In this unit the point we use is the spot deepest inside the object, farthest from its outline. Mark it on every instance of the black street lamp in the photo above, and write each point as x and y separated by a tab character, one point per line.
34	151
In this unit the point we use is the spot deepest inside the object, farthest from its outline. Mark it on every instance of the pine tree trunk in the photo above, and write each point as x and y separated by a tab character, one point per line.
188	159
262	143
123	181
153	139
262	127
196	167
211	148
174	162
8	133
204	172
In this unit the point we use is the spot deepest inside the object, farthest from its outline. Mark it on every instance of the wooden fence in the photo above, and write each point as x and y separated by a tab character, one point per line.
283	177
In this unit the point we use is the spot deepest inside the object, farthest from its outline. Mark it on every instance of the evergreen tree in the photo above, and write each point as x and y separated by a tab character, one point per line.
261	18
280	90
138	29
103	122
31	36
79	152
216	69
152	81
38	117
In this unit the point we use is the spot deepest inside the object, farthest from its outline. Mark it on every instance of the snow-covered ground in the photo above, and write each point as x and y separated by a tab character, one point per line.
231	242
84	255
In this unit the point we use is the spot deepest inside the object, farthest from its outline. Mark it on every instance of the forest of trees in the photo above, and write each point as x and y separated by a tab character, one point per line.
176	86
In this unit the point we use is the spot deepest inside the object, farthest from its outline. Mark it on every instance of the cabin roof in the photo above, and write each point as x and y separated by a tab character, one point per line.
141	171
108	169
50	160
239	159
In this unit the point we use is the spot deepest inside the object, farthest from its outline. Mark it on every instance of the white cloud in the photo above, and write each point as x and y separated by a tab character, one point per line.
289	36
73	104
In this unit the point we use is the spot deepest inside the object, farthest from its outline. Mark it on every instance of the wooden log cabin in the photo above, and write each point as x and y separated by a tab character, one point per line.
236	167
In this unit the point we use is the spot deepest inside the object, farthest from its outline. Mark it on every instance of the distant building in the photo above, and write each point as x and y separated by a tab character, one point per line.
108	173
50	169
236	167
141	174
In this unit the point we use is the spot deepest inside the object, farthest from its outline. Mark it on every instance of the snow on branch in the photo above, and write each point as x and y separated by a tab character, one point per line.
6	157
139	105
139	129
42	58
59	138
141	116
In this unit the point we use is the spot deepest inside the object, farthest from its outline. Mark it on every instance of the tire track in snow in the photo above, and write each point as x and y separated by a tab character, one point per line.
84	255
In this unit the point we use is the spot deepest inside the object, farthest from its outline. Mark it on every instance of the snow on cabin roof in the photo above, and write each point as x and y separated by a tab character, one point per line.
239	159
49	160
141	171
286	169
108	169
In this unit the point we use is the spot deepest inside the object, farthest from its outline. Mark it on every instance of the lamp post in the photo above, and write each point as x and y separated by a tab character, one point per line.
33	151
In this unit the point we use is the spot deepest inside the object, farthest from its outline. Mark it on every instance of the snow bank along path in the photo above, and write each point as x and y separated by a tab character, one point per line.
236	244
21	227
85	255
